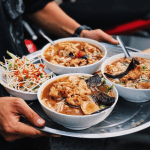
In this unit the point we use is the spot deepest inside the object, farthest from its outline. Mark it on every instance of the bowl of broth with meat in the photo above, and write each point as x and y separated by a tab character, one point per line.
131	76
74	55
77	101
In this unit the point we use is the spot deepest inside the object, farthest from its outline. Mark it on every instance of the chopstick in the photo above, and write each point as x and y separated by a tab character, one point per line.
132	49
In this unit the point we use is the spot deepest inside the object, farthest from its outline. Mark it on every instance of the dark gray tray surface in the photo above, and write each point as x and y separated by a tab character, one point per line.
126	118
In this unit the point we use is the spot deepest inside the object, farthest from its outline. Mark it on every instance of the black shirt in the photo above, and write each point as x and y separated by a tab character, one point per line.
12	39
11	29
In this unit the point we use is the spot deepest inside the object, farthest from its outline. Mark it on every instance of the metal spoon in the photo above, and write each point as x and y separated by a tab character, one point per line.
135	61
46	37
131	66
123	47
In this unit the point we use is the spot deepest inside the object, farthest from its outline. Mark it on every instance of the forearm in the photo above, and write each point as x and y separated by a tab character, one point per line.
54	20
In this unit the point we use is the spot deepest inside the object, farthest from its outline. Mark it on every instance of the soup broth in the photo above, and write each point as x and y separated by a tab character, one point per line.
71	95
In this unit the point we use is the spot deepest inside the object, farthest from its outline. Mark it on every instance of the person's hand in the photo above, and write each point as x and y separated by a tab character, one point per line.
98	35
11	109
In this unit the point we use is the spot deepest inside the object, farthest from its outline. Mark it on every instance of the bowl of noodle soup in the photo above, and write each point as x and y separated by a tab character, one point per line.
66	100
74	55
134	86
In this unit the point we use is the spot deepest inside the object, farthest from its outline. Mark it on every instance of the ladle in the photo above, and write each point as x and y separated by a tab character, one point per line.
46	37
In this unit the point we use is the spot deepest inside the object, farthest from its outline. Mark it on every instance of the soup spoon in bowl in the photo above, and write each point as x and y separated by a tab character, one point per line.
131	66
127	55
46	37
123	47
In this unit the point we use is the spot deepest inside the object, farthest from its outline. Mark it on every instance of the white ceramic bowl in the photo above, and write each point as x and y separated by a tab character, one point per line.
27	96
23	95
58	69
76	122
132	95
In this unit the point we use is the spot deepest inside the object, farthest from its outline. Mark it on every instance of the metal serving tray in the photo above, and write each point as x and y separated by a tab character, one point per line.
127	117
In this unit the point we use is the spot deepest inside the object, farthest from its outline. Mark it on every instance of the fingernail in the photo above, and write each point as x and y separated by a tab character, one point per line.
114	40
40	121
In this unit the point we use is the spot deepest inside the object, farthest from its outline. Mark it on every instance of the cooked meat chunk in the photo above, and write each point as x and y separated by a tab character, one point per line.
59	106
75	100
88	106
133	74
143	85
82	88
54	93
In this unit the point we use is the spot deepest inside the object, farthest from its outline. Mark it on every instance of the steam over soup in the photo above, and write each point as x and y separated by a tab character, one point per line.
138	77
73	54
78	95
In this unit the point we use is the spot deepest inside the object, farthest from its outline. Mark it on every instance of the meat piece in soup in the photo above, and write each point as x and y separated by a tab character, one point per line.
72	95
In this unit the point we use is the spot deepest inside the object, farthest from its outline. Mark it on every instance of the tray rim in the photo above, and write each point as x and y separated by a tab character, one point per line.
72	133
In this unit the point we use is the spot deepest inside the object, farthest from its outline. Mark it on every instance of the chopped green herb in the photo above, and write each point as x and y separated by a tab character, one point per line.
102	106
24	77
41	75
16	65
10	65
110	88
82	77
104	81
125	64
51	76
145	71
27	64
4	67
35	88
143	67
120	83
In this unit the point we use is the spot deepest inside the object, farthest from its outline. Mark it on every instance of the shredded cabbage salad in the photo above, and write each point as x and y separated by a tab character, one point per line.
22	74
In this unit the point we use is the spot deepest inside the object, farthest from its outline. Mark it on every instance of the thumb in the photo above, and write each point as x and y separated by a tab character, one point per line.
30	115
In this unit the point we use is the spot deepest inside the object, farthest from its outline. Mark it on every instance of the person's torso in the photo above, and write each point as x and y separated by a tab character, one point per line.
11	29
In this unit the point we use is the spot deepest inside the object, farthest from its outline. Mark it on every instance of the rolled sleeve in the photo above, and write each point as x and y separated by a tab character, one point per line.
32	6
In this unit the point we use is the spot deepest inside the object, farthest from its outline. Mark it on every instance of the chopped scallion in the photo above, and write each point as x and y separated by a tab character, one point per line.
41	75
110	88
104	81
143	67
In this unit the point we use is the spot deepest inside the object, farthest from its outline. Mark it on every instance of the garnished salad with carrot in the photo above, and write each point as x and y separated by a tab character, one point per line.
21	74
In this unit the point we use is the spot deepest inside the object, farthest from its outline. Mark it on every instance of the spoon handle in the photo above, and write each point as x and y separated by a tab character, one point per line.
123	47
46	37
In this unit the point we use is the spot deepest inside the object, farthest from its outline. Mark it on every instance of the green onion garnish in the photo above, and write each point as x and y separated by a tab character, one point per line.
110	88
120	83
104	81
10	65
4	67
41	75
143	67
102	106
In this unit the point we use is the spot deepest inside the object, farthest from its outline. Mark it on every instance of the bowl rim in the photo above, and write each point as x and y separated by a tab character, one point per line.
18	91
122	55
73	116
75	39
